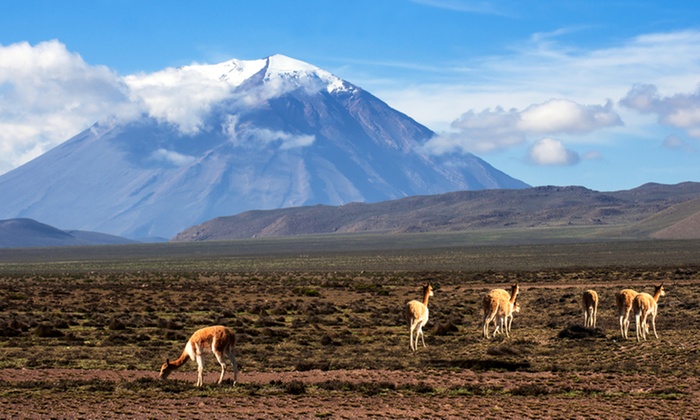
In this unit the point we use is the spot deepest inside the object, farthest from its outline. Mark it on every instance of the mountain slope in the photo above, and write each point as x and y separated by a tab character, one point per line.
22	233
465	210
284	134
681	221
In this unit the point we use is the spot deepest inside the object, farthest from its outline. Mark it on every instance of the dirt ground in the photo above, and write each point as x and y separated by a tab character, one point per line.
334	346
616	397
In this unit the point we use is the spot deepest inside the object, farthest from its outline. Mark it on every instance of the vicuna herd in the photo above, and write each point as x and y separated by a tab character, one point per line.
498	306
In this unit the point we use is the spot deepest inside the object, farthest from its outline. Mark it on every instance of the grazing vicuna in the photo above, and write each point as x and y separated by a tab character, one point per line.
643	305
417	316
589	302
220	340
624	301
499	302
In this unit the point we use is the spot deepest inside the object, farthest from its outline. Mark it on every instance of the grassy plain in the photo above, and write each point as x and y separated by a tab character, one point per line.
321	333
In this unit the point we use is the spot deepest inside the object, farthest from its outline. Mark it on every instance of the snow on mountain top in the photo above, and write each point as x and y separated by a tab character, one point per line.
235	71
279	63
184	95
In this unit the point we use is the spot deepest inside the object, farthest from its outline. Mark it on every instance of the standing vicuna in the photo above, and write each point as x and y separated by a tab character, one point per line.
624	301
504	323
589	302
220	340
417	316
499	302
643	305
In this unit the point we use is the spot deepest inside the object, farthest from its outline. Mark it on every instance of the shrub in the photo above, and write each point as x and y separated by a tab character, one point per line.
116	325
295	387
47	331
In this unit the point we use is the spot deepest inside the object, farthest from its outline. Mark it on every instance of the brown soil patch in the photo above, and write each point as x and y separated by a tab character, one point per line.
609	396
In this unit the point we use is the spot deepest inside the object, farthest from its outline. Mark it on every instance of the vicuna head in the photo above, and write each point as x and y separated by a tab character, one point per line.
166	369
514	288
428	288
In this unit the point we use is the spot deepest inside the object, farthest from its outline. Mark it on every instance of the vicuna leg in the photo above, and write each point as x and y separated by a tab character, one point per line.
200	368
232	357
412	327
639	328
595	313
422	337
627	322
622	326
222	363
487	320
653	321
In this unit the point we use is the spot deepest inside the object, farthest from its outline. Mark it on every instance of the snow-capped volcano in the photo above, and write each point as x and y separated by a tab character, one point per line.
216	140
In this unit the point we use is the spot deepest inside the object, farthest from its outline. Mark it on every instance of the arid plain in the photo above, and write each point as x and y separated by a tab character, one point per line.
321	332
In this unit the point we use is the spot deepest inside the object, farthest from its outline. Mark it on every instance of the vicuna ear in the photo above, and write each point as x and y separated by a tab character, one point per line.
167	361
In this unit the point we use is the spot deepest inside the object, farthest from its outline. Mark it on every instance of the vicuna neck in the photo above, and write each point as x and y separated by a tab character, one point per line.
184	357
513	294
426	296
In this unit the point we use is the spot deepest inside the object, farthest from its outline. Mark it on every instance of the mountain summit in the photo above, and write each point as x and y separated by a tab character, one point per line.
217	140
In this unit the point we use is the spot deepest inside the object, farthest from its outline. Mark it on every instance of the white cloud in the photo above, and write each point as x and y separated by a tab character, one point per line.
548	151
681	110
47	95
565	116
498	129
282	139
172	157
180	96
543	68
479	132
254	137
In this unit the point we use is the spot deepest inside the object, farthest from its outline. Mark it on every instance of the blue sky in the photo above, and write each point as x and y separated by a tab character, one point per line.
602	94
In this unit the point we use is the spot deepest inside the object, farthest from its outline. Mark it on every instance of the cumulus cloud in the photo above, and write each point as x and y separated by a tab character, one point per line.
480	132
498	129
565	116
681	110
47	95
180	96
548	151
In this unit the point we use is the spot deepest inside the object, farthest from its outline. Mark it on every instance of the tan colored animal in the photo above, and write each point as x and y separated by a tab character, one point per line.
644	305
417	316
505	322
499	302
220	340
624	301
589	302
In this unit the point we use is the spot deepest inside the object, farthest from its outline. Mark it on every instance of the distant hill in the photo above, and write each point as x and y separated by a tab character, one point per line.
23	233
650	211
681	221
